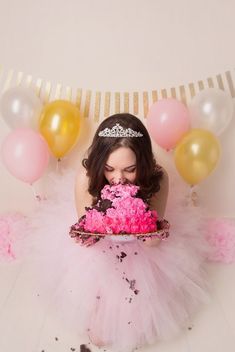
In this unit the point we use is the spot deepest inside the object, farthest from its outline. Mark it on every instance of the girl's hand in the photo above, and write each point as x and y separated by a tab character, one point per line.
163	224
152	242
82	238
87	241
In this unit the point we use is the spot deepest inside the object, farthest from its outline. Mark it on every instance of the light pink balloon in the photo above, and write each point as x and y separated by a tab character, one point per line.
167	121
25	154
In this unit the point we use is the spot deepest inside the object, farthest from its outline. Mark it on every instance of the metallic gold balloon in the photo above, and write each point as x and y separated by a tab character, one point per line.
59	125
197	155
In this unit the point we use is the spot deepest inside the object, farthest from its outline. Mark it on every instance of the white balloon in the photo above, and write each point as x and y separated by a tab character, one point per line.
211	109
20	107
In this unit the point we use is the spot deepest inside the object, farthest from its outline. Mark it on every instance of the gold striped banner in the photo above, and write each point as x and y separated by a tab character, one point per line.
78	98
58	91
29	79
138	102
230	83
47	92
117	103
126	102
183	94
87	103
38	86
192	89
97	106
154	96
220	82
210	82
8	80
164	93
201	85
107	103
68	93
145	103
173	92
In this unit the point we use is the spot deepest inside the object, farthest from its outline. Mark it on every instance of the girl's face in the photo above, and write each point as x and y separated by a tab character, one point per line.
121	166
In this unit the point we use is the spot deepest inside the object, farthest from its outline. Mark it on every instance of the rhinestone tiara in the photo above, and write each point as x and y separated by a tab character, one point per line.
118	131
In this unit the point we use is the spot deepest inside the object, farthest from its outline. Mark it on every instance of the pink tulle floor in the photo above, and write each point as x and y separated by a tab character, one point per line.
64	289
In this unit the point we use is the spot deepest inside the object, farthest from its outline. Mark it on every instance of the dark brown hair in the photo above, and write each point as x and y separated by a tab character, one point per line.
148	174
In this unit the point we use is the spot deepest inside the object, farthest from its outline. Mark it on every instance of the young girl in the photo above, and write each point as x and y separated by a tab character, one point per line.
120	292
118	159
139	292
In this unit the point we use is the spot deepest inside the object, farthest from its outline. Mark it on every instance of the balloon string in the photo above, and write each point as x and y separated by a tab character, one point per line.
37	196
193	196
58	165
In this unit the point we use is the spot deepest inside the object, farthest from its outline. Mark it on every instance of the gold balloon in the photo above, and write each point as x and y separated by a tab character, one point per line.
59	124
197	155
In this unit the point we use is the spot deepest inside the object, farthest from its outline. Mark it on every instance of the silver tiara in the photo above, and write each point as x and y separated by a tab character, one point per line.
118	131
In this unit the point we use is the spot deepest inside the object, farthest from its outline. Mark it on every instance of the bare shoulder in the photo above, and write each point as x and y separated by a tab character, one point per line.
159	200
81	177
82	196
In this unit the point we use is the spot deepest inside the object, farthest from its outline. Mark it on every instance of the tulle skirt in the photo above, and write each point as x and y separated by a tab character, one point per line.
120	290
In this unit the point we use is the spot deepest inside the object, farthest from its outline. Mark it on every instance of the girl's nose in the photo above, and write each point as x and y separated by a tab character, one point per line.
119	178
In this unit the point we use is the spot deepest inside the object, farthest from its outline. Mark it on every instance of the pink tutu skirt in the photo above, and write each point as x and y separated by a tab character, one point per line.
119	290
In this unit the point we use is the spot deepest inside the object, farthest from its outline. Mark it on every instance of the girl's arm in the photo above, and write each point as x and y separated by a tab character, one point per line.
82	197
158	202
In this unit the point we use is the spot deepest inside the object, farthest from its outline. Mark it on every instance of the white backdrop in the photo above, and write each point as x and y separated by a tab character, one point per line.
120	46
125	44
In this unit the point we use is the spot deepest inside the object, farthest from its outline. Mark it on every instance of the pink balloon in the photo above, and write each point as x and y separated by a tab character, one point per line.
167	121
25	154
